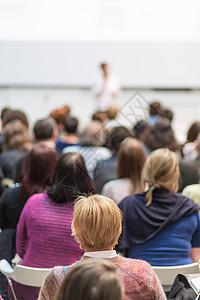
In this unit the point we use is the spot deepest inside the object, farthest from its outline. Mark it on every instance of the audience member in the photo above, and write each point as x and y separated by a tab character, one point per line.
97	279
96	226
14	115
131	159
160	215
139	129
35	177
68	137
15	147
188	150
112	114
46	132
44	229
100	116
160	135
92	140
155	109
59	115
106	169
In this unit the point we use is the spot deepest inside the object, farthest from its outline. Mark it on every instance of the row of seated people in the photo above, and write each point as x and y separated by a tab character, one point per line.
44	227
150	219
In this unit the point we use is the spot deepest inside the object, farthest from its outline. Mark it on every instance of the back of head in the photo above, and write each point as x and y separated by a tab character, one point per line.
37	170
117	135
131	159
16	136
139	128
193	132
93	135
154	108
4	114
70	179
15	115
161	135
44	129
71	124
161	171
60	114
96	279
112	111
97	222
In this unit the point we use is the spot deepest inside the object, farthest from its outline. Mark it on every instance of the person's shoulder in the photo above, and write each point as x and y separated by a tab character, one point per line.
130	200
36	199
136	269
73	148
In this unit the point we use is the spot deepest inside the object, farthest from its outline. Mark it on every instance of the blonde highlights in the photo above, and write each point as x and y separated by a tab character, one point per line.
161	171
96	223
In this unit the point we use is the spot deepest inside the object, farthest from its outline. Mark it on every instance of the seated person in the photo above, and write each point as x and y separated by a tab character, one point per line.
46	132
96	226
68	137
160	225
92	140
106	169
99	279
131	159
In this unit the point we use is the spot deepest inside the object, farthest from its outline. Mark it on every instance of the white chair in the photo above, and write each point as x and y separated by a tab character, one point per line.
24	275
167	275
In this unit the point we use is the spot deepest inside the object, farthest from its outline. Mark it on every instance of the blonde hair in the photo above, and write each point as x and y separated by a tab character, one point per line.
16	136
96	223
131	159
161	171
112	111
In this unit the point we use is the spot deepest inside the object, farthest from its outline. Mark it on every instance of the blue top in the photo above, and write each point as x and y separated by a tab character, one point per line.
171	246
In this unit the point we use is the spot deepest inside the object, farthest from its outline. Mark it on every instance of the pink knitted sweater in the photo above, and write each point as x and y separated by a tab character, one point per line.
140	280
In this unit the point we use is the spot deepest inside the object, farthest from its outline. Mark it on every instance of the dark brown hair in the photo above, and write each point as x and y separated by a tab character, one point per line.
70	179
131	159
193	132
37	170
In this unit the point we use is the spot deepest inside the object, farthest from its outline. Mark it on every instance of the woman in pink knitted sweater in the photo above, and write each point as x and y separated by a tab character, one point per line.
44	230
96	226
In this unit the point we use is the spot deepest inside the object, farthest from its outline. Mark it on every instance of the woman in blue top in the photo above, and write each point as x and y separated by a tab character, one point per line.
160	225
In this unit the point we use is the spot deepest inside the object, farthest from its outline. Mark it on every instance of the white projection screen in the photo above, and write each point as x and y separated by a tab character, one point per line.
148	43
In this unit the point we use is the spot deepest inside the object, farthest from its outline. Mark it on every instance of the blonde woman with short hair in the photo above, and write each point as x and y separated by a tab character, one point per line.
160	225
96	226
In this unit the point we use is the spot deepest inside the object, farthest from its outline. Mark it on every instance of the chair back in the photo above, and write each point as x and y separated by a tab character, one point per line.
24	275
167	275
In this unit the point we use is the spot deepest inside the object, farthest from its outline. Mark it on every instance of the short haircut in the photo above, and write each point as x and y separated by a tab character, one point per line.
71	124
161	170
117	135
93	135
96	223
44	129
92	279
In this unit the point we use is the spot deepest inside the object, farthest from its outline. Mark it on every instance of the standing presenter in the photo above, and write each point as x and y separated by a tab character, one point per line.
106	89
